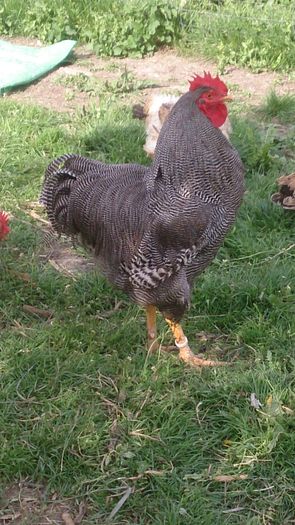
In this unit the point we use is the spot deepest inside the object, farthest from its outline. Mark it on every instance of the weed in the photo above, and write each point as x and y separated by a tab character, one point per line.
126	83
259	35
255	145
280	107
79	81
112	66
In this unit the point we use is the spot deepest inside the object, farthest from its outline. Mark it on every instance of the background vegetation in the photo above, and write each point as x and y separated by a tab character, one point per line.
256	34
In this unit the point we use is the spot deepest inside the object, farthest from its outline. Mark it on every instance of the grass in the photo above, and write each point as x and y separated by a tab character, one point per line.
84	409
279	107
259	35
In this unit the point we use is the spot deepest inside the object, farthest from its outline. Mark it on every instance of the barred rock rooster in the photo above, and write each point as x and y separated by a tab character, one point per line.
4	228
156	110
154	229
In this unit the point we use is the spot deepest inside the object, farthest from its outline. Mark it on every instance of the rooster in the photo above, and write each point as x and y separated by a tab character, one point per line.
154	229
4	228
155	111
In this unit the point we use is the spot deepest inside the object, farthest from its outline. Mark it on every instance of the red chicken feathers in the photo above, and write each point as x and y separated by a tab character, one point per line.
4	228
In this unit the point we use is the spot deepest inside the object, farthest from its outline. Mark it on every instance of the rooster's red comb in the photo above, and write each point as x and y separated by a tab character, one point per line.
4	228
208	80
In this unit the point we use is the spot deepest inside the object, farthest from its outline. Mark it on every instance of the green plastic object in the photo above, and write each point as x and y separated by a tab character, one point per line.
21	65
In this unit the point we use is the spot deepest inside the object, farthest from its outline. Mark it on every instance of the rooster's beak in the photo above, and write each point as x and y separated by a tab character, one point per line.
227	98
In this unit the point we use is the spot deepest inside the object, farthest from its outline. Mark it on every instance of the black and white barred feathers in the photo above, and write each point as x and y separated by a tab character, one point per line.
153	229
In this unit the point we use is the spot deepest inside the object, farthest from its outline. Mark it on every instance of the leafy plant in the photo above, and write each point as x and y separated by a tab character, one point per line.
141	28
113	29
126	83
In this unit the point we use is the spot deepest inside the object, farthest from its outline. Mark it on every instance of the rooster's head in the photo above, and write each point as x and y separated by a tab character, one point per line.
211	102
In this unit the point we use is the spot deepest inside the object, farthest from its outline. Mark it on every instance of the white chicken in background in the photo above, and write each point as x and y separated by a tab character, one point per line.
155	111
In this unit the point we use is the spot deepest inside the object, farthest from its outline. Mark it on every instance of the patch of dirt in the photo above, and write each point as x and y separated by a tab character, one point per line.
63	258
59	252
168	70
26	503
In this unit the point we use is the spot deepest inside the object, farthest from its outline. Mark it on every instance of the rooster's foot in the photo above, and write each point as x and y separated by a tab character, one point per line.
186	355
181	343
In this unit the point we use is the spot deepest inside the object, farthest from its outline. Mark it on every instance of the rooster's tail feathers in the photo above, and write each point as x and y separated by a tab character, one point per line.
58	182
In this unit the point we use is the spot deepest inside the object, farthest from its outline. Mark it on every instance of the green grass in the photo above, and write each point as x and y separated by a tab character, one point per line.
256	34
84	410
279	107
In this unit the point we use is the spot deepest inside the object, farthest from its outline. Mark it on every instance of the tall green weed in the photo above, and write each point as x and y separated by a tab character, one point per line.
259	35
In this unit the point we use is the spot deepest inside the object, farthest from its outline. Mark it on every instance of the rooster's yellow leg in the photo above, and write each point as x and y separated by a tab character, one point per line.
151	324
185	353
